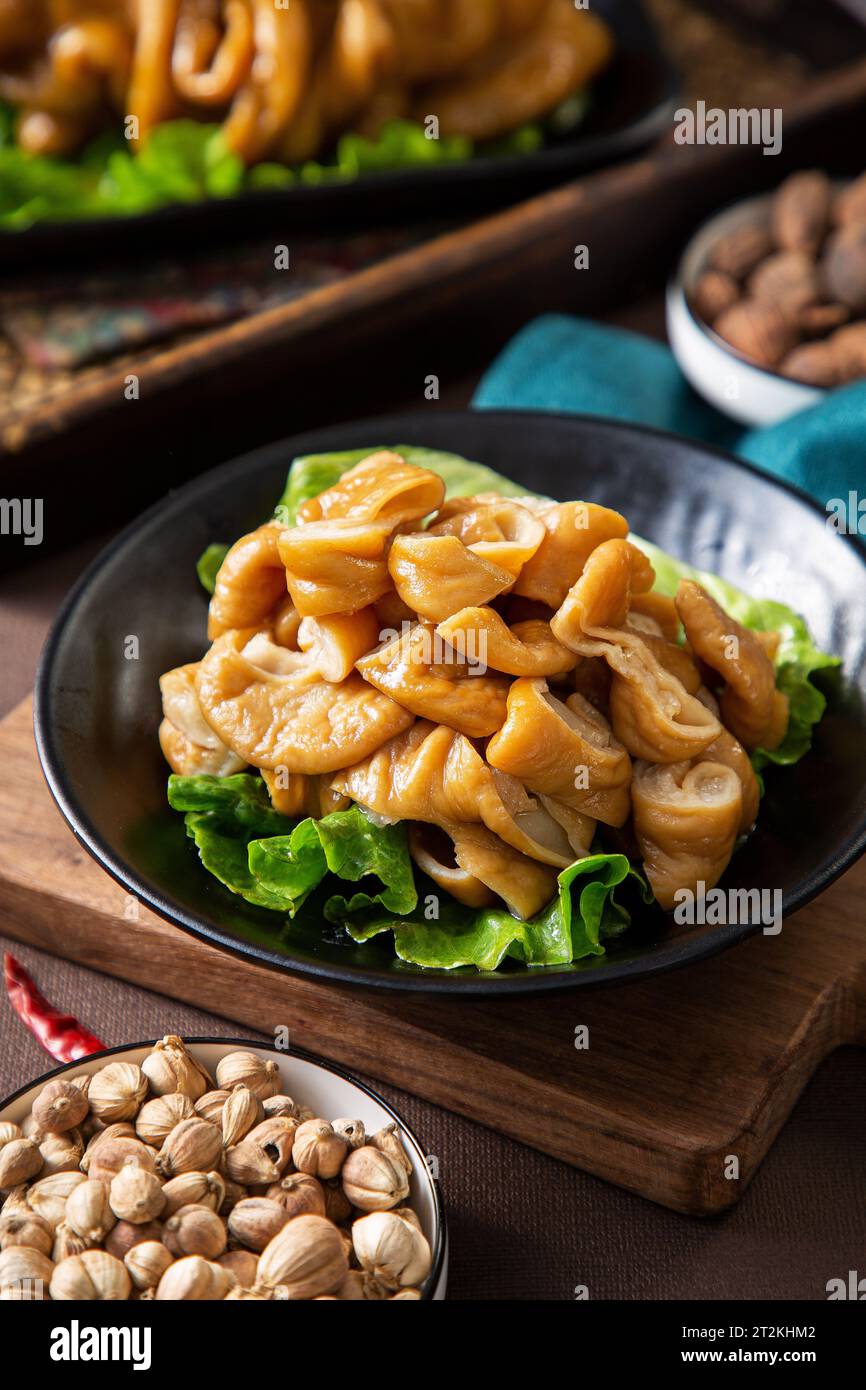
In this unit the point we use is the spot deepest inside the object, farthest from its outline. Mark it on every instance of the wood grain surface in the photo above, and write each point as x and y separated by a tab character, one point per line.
682	1073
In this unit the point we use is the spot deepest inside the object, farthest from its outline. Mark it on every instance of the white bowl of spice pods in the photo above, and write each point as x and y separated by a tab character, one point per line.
210	1169
767	311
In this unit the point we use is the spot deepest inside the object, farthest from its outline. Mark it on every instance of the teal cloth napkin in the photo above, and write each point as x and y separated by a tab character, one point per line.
575	365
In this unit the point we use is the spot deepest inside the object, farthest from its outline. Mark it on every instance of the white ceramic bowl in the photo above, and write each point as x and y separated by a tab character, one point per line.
752	395
326	1089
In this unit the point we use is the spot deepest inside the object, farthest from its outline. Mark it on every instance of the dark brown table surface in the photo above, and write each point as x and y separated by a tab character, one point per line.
522	1226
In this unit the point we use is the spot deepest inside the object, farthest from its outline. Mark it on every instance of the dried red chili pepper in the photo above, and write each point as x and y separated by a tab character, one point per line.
60	1034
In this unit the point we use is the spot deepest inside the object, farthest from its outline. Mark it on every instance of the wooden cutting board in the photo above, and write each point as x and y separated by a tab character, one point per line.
683	1074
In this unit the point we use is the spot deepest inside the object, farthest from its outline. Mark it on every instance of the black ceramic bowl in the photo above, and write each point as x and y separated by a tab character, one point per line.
97	713
632	104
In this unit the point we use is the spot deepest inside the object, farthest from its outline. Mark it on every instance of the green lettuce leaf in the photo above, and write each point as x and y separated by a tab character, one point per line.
275	862
209	564
184	161
797	658
223	816
573	926
347	845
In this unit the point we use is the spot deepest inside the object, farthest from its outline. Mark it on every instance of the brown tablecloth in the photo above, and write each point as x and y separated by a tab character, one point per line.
522	1226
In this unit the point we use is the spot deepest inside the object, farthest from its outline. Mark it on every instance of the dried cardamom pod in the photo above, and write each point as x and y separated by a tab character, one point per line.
91	1276
61	1153
49	1195
255	1221
147	1262
276	1136
306	1258
359	1286
30	1129
318	1150
394	1251
171	1067
136	1195
235	1192
68	1242
372	1181
106	1159
8	1131
194	1190
241	1112
60	1106
117	1091
281	1105
299	1194
88	1211
390	1143
25	1274
24	1227
158	1117
408	1295
125	1235
248	1164
242	1264
210	1106
260	1076
338	1208
195	1279
194	1146
20	1160
194	1231
352	1132
260	1294
121	1130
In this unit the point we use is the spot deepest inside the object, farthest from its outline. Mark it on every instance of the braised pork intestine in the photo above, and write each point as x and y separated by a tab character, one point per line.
484	669
286	80
752	708
652	713
686	819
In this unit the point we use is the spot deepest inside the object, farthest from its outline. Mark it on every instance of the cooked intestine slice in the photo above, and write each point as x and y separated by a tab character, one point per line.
250	583
578	826
686	817
727	750
381	488
297	796
285	624
433	852
189	759
527	649
437	575
496	528
573	530
295	721
335	642
189	744
601	597
336	566
652	713
591	678
677	661
431	773
427	676
524	885
564	750
752	708
654	716
661	609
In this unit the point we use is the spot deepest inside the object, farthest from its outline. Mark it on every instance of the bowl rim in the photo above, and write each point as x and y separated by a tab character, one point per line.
677	288
441	1226
670	954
